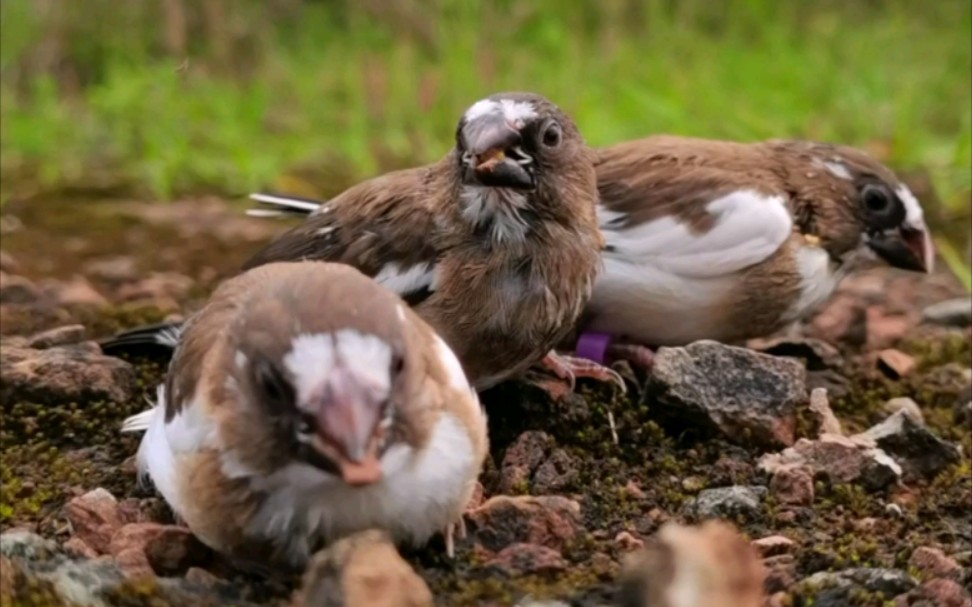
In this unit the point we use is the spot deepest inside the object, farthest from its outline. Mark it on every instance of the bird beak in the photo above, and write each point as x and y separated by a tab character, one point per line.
493	154
348	429
906	248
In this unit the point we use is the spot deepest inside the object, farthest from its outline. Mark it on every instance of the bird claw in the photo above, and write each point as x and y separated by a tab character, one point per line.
571	367
453	530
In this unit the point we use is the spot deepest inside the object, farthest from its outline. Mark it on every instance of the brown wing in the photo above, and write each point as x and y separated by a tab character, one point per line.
386	220
646	179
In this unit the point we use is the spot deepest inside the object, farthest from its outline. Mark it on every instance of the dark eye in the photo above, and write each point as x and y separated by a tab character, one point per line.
552	135
398	363
876	199
273	386
882	209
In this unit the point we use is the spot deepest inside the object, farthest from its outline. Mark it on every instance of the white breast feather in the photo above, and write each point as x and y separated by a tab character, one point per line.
421	492
818	279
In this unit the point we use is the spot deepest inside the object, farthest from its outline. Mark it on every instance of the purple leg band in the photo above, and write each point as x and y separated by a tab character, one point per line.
593	346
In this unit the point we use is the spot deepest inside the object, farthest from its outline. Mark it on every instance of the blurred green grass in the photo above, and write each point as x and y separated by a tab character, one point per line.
172	97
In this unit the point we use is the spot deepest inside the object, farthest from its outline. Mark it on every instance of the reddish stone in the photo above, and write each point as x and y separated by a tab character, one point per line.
550	521
793	485
95	518
524	559
934	563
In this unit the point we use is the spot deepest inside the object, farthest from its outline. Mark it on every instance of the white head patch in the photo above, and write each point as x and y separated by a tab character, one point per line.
515	112
313	357
914	216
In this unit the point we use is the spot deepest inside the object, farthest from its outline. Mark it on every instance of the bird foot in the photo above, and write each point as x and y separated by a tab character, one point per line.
637	356
570	368
453	530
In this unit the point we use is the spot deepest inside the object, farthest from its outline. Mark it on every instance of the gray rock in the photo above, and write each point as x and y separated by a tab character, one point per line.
64	374
920	452
840	459
58	336
951	313
26	545
908	406
727	502
747	396
834	588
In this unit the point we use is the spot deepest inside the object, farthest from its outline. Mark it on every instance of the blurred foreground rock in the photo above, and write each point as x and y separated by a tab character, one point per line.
363	570
707	566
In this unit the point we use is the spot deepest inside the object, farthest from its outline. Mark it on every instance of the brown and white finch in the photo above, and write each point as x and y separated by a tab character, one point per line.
496	245
720	240
305	402
729	241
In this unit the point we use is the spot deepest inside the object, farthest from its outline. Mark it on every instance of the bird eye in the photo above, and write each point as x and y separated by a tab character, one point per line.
552	135
397	364
273	385
876	200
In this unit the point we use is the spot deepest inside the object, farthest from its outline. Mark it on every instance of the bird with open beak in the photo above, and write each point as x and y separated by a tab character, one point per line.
496	245
303	403
730	241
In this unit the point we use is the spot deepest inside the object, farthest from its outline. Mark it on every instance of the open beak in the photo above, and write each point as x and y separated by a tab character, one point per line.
906	248
494	156
348	430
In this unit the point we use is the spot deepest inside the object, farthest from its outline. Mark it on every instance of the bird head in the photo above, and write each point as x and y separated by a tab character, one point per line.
518	154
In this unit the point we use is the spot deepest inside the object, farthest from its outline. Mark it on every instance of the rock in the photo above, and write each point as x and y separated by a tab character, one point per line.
628	542
363	570
951	313
162	289
837	587
19	544
884	330
749	397
59	336
711	565
477	498
773	545
546	520
907	406
727	502
94	518
168	549
64	374
921	453
933	563
203	578
76	292
827	422
8	263
840	459
75	546
816	354
836	385
941	593
18	290
533	462
781	572
840	320
895	363
525	559
963	413
115	270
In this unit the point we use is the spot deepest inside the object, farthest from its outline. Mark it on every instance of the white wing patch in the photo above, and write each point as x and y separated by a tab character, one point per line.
406	280
749	228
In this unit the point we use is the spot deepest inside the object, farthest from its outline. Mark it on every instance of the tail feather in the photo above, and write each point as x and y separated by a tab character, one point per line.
138	422
283	206
164	335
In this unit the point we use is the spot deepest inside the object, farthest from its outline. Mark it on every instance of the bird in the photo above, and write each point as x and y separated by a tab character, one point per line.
723	240
496	245
729	241
305	402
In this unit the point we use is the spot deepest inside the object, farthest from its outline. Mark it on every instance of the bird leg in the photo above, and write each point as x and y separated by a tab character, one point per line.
453	530
570	368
